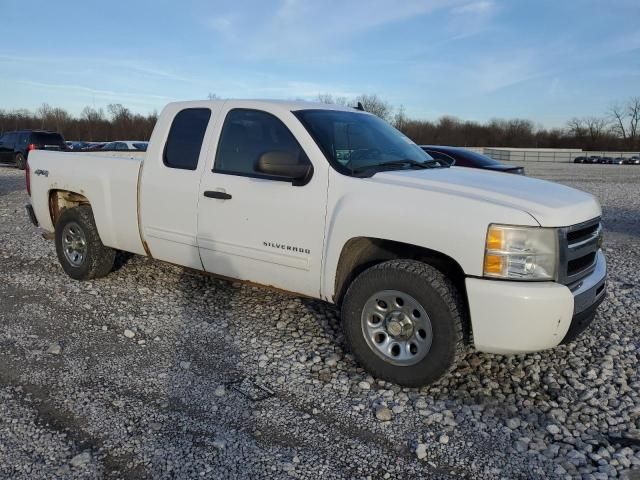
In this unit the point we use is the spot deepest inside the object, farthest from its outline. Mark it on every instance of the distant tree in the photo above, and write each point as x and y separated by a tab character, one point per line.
596	129
90	114
118	111
577	128
400	119
633	111
45	113
331	99
620	129
121	120
617	116
213	96
376	105
625	121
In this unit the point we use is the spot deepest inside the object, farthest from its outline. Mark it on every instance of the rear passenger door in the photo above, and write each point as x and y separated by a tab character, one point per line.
169	187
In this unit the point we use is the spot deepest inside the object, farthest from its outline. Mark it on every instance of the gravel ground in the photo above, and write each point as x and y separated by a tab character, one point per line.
159	372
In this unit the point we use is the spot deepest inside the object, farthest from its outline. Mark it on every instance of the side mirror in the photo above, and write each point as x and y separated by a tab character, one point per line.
286	165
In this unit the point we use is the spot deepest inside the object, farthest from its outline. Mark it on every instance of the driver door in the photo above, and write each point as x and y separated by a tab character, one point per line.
257	227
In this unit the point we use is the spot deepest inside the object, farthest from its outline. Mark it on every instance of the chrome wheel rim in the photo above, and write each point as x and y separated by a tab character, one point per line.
396	327
74	244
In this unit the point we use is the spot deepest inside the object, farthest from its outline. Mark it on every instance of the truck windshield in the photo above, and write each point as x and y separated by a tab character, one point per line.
355	142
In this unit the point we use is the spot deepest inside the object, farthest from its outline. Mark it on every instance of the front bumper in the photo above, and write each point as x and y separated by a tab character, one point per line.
519	317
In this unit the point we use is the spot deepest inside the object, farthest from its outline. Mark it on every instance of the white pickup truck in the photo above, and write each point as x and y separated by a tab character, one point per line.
333	203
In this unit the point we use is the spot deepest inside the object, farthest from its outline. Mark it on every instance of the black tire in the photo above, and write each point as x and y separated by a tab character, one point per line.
439	298
21	161
98	260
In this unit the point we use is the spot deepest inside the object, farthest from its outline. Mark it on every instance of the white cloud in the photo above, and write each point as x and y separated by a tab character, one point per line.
221	24
303	30
103	94
495	73
475	8
130	66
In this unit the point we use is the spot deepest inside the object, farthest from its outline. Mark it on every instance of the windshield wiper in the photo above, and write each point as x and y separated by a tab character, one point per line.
370	170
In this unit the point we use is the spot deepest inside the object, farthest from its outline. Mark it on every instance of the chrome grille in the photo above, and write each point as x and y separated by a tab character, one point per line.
578	246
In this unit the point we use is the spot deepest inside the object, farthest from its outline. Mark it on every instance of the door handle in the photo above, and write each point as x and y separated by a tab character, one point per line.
217	194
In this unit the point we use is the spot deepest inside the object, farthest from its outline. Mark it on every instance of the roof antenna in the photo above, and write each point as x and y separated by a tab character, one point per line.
360	107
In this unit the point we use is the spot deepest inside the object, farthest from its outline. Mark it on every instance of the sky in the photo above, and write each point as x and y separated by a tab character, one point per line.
544	60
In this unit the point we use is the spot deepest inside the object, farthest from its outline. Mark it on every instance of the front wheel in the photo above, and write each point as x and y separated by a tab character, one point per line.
403	322
81	253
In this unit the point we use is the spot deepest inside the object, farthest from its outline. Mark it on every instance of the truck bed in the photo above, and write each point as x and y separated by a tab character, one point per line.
108	180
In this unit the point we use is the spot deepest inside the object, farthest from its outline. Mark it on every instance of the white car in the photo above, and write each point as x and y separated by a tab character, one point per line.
334	203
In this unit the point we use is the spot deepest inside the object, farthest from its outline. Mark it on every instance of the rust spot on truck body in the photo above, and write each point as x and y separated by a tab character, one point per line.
61	199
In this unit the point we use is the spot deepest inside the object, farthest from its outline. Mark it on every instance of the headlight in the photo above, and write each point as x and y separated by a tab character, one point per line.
521	253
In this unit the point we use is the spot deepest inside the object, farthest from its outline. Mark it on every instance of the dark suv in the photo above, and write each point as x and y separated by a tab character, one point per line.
15	146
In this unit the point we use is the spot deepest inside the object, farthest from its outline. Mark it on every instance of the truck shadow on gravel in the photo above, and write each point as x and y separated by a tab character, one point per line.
121	260
230	326
228	329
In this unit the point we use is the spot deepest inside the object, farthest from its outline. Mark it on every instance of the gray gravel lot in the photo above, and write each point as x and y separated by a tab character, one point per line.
159	372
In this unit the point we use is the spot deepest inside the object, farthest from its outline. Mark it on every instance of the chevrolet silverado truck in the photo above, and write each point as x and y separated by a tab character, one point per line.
333	203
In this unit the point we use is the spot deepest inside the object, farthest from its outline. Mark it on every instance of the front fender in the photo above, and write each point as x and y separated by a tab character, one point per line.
455	226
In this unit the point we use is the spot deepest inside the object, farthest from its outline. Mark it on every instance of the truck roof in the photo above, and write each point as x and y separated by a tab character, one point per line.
289	105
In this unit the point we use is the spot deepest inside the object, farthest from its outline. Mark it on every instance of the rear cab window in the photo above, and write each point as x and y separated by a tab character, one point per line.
185	137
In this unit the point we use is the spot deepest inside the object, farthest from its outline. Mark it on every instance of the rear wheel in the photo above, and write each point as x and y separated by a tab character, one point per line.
21	161
403	322
81	253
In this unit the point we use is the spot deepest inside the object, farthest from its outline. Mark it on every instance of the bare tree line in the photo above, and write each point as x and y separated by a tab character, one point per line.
618	129
118	122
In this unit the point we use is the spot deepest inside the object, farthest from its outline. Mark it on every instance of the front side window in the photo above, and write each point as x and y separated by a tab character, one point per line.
184	141
246	135
354	141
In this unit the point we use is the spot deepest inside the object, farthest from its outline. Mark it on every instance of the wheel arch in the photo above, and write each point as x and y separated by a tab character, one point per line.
59	200
360	253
